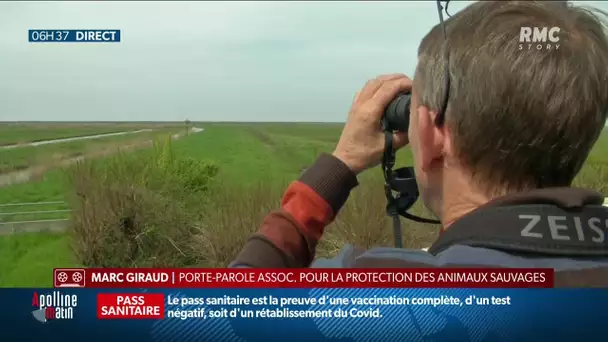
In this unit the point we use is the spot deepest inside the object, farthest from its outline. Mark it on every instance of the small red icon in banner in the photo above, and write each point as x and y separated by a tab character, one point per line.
69	277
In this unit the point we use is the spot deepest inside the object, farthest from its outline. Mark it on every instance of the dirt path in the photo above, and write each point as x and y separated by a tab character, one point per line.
34	172
86	137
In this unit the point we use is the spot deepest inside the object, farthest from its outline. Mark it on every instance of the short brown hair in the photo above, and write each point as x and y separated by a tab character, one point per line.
520	118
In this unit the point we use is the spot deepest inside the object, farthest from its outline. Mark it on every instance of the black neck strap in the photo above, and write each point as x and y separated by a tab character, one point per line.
543	229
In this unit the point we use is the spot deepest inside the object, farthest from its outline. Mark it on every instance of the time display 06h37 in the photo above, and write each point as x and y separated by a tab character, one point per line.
74	36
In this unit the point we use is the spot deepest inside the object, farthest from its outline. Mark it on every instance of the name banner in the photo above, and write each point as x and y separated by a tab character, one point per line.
315	314
304	278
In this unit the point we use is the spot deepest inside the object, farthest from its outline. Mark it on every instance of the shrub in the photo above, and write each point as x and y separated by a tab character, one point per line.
235	212
140	210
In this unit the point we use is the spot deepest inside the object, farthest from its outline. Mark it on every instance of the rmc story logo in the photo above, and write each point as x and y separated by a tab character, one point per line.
539	38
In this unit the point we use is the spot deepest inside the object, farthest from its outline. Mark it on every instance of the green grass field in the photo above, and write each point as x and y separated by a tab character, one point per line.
247	155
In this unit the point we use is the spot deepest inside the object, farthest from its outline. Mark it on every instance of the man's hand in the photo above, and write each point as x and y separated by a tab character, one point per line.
362	142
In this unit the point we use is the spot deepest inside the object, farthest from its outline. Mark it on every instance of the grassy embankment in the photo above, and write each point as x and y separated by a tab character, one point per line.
48	156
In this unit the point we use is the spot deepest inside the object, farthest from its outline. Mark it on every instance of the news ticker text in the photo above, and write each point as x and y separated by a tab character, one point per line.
156	306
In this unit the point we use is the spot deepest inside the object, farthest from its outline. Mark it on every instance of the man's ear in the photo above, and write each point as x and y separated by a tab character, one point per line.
431	139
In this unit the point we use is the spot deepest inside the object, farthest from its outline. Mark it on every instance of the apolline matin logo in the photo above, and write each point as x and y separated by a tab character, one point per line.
53	306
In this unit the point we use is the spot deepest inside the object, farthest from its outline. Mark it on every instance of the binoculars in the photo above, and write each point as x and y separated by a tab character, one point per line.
397	114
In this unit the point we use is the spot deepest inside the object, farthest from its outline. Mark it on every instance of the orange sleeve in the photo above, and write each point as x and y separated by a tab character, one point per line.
288	237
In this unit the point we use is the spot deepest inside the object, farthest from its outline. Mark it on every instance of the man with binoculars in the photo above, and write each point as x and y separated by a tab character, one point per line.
497	133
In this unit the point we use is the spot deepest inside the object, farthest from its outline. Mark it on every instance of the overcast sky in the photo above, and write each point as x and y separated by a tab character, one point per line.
206	61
